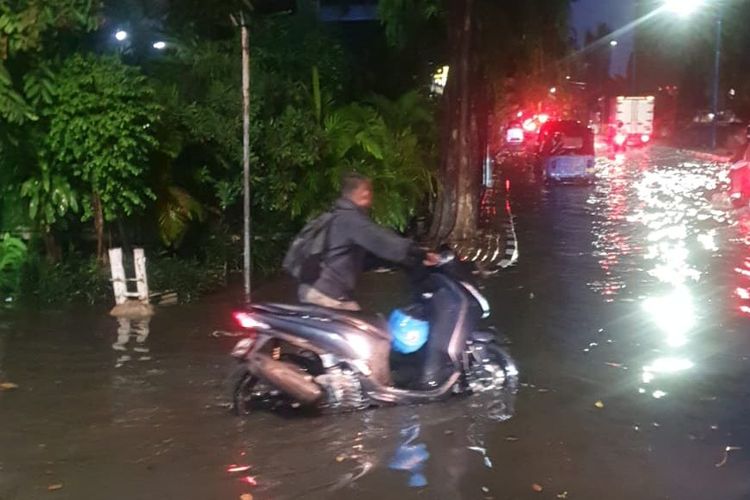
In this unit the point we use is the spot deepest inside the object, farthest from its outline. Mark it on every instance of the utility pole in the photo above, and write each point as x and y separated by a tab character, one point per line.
716	86
247	260
262	8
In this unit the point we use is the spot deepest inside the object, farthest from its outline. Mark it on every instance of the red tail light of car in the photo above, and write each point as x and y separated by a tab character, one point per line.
530	125
645	138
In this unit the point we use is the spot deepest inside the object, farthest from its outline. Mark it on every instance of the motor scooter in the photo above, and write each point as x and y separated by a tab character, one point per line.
325	359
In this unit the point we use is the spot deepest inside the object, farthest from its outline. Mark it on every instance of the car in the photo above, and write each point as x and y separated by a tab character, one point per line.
566	151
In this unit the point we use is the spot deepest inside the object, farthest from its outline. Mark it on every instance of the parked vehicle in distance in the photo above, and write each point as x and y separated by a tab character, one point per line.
566	152
515	137
631	121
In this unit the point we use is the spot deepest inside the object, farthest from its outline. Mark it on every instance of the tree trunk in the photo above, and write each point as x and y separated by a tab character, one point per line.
124	238
464	129
96	202
51	248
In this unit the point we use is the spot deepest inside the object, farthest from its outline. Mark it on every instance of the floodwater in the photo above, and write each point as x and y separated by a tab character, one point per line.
629	308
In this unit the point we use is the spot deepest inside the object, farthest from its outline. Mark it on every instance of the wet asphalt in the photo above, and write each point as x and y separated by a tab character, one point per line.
629	309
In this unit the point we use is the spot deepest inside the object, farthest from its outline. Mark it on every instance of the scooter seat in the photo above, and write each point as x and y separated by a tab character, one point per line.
373	323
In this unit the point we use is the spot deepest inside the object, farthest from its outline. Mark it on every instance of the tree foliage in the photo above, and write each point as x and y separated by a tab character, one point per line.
381	139
50	197
25	26
100	130
303	133
12	257
488	43
151	142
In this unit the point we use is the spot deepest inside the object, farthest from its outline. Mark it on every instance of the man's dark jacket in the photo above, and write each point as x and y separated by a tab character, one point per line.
351	235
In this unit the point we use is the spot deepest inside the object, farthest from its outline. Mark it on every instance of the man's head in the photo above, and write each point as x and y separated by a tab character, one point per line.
357	189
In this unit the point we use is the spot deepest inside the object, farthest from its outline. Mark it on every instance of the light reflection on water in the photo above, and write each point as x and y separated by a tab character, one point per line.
674	314
405	446
131	343
411	457
666	204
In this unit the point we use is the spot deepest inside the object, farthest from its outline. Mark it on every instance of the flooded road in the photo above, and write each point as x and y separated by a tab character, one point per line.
629	308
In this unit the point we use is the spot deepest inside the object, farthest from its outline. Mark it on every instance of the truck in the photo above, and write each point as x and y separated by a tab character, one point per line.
631	120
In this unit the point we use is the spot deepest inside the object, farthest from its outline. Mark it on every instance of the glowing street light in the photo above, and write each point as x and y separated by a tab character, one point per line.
121	35
160	45
614	43
683	8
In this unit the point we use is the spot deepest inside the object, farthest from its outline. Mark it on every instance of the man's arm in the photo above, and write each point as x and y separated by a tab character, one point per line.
383	242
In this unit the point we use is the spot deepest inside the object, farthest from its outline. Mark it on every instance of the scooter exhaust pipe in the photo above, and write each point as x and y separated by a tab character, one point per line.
287	378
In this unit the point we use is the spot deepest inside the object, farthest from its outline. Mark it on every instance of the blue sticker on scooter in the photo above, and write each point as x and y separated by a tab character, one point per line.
408	333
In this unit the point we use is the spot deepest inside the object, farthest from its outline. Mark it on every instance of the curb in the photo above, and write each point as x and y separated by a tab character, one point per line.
705	155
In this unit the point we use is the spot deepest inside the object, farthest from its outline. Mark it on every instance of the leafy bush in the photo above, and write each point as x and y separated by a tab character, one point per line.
13	254
385	140
79	280
189	278
76	280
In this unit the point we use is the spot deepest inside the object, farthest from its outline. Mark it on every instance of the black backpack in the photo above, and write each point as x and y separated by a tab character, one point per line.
304	257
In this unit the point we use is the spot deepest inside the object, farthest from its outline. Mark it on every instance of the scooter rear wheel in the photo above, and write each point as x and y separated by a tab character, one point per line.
249	393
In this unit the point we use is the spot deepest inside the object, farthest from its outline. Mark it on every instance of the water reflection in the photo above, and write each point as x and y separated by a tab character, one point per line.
671	201
609	203
664	203
674	314
130	345
431	448
411	457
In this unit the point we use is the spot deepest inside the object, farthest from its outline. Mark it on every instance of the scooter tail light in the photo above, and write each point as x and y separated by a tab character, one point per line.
248	322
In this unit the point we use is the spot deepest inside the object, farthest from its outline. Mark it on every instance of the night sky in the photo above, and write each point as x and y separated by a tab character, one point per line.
587	14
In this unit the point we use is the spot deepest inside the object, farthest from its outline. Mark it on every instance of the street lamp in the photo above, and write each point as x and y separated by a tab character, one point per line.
614	43
160	45
683	8
121	35
717	77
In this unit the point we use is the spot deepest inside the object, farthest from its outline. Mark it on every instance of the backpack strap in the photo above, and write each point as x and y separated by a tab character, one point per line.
327	241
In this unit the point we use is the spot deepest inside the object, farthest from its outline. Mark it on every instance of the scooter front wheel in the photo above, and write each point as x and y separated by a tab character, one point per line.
493	367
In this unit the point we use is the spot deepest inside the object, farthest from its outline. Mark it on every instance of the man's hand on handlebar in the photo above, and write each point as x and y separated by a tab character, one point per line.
431	259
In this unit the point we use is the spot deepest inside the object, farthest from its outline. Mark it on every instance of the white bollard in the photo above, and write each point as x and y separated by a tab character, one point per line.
141	280
119	282
130	304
